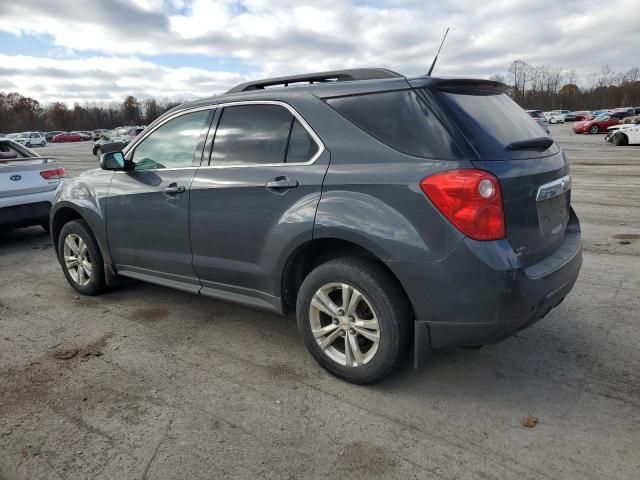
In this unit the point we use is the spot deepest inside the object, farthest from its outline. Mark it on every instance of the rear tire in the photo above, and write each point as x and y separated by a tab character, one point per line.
620	139
594	129
371	334
43	144
80	258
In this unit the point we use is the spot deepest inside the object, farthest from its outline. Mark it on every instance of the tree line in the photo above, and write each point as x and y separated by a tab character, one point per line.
19	113
545	87
533	87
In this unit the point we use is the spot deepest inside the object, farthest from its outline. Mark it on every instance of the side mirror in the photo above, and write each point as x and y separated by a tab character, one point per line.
112	161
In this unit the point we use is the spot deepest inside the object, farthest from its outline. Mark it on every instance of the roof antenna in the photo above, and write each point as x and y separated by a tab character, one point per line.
436	59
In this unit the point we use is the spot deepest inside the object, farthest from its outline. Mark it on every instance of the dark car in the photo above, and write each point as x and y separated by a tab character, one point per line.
123	136
390	214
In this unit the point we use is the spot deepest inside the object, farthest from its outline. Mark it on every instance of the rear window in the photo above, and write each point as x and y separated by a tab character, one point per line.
491	121
401	120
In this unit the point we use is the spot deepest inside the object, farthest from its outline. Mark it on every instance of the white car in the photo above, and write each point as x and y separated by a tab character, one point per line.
28	186
554	117
29	139
624	134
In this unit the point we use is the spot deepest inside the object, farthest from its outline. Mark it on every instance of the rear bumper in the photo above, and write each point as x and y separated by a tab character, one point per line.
25	215
480	294
26	210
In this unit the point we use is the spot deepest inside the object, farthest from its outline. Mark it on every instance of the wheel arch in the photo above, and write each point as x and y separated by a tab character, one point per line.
316	252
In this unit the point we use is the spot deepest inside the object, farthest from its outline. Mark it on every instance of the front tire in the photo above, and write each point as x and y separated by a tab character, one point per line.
355	319
619	139
43	144
28	144
80	258
594	129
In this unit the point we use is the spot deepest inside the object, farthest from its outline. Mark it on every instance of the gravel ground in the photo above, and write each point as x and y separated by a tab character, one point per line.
162	384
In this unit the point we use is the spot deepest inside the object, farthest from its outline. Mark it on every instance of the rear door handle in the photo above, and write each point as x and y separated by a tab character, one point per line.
174	189
281	184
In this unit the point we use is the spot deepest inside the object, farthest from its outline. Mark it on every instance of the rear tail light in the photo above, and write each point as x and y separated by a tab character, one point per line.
53	174
470	199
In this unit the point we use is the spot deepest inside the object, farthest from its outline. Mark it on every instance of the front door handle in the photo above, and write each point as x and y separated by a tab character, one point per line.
174	189
281	184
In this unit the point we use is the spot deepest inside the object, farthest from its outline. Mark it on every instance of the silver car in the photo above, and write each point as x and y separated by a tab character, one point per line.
539	118
28	186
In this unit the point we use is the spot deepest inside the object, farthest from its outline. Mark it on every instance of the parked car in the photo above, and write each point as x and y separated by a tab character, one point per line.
600	123
49	135
3	135
581	115
28	139
568	116
28	185
540	119
97	134
84	134
122	135
624	134
555	117
385	234
632	120
67	137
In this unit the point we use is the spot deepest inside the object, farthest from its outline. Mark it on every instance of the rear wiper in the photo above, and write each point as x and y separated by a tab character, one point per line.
539	142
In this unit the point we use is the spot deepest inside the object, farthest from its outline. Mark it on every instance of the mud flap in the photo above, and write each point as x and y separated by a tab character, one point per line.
422	351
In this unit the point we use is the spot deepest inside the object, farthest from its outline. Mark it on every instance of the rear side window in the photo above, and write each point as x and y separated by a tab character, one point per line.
260	134
491	121
401	120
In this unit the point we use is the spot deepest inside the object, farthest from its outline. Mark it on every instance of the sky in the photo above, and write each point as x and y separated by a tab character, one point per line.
103	50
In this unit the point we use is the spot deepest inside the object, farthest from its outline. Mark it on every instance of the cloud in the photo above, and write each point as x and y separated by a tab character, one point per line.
108	79
285	36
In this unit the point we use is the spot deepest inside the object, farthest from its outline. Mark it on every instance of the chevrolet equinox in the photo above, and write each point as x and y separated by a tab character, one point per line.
389	214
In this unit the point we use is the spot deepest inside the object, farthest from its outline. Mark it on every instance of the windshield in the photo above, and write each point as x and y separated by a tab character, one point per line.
602	118
492	121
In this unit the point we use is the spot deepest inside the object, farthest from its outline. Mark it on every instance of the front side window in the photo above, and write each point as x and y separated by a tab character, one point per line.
261	134
171	145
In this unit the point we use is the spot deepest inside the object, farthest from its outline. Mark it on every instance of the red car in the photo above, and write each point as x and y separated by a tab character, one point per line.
583	115
600	123
67	137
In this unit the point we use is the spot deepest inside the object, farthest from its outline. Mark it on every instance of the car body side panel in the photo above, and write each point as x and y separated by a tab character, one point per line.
86	194
241	232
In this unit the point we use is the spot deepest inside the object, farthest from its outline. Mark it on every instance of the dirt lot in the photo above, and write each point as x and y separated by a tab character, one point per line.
163	384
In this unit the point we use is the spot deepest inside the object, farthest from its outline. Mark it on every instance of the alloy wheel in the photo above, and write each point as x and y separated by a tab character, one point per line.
344	324
77	259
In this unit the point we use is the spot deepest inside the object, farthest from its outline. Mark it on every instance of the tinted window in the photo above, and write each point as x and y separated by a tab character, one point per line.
173	144
301	146
251	134
491	121
401	120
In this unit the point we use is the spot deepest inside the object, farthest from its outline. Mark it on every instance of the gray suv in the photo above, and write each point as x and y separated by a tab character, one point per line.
389	214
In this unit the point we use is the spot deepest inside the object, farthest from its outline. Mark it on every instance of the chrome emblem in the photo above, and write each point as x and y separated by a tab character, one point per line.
15	178
553	189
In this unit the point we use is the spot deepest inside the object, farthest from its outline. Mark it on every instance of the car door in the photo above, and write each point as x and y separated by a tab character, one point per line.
255	201
148	206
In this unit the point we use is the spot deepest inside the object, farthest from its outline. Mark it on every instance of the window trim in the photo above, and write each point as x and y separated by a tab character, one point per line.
314	136
206	126
212	129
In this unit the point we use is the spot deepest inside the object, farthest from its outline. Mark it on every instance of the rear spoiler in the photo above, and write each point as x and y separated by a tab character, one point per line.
24	159
459	84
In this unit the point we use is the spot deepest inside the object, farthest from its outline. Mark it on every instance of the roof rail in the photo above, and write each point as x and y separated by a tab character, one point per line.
329	76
